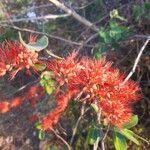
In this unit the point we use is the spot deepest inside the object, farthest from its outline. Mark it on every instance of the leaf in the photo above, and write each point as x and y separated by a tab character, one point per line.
49	89
132	122
104	34
115	14
95	107
41	135
139	137
129	135
40	67
38	125
119	141
47	74
138	11
39	45
47	82
93	134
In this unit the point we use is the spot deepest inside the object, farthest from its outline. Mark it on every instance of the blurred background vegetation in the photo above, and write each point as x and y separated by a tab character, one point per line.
123	27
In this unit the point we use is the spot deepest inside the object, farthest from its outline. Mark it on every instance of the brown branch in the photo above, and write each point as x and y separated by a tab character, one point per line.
75	15
62	139
95	146
43	33
50	16
136	61
103	140
83	111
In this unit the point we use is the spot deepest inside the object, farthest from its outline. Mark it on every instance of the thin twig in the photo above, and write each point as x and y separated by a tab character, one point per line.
142	36
95	146
62	139
88	40
50	16
43	33
75	15
24	87
78	121
103	140
136	61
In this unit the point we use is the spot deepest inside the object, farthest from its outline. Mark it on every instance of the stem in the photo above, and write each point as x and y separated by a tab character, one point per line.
78	121
103	140
62	139
98	139
136	61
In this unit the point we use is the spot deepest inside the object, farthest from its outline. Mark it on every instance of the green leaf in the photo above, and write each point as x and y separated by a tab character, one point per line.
104	34
47	82
115	14
119	141
129	135
53	148
139	137
41	135
47	74
132	122
49	89
39	45
93	134
38	125
138	11
40	67
95	107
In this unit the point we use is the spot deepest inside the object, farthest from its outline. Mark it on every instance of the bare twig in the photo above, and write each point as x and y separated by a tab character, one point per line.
103	140
136	61
78	121
75	15
24	87
88	40
43	33
50	16
62	139
95	146
142	36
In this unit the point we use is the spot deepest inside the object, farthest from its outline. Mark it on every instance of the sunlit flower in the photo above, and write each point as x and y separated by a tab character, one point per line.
33	94
4	106
16	101
15	57
98	81
63	69
53	116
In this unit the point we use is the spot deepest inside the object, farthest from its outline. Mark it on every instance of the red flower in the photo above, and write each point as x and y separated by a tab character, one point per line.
34	93
53	116
16	101
97	80
15	57
4	106
63	69
3	69
115	112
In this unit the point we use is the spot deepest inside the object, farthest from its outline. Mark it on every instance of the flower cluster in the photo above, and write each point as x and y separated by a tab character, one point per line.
98	82
15	57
